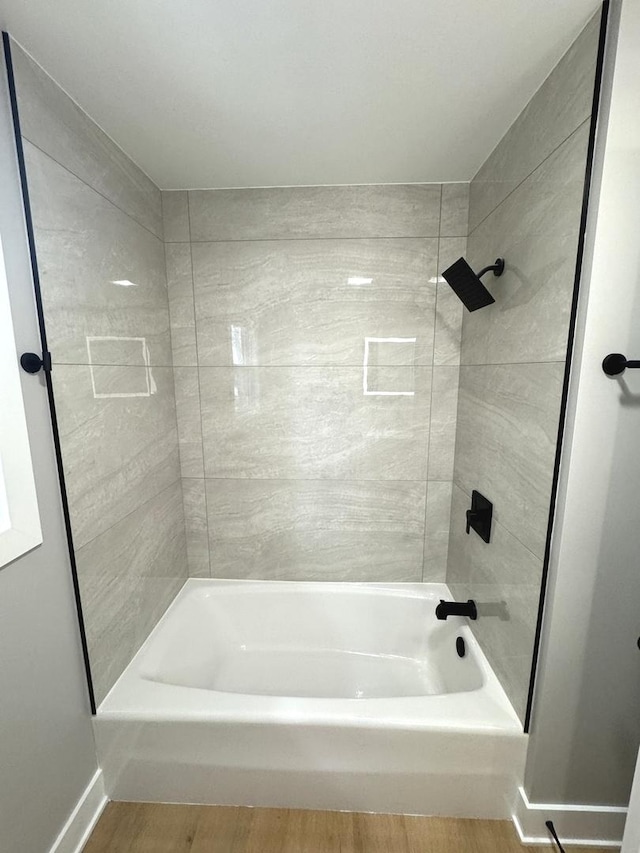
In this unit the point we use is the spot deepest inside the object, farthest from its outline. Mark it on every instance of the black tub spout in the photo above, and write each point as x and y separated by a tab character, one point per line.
456	608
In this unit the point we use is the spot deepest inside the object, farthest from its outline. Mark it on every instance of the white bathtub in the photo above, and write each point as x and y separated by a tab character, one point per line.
310	695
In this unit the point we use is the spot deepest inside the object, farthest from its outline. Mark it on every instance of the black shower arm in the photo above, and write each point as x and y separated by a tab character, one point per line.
497	268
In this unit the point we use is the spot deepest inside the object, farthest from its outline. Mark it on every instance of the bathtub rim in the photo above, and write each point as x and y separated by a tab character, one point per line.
486	710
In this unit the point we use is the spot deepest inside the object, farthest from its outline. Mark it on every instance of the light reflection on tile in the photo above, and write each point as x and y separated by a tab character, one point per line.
111	381
316	530
107	380
374	376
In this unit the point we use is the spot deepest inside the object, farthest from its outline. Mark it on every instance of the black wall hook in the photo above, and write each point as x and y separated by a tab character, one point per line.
615	363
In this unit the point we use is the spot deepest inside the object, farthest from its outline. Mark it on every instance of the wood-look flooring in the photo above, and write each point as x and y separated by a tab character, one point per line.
156	828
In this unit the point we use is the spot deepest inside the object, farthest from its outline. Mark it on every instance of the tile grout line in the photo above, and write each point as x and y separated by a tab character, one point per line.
370	238
314	480
314	366
433	355
511	363
195	335
457	366
96	191
526	178
173	374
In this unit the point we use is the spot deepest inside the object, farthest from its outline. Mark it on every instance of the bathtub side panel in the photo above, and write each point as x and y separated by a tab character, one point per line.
454	774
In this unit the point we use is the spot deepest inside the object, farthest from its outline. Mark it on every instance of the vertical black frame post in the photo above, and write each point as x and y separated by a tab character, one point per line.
595	107
43	342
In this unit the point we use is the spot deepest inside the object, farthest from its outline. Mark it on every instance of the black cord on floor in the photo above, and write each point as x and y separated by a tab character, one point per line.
552	830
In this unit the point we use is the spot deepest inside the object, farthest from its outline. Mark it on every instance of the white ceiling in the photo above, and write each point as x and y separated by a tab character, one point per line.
231	93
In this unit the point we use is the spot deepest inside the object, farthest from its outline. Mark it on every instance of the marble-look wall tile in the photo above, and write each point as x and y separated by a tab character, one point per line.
175	216
313	354
384	210
128	576
503	577
58	126
560	105
187	389
506	440
310	422
316	530
449	250
442	430
514	674
454	216
119	442
102	275
181	307
436	534
525	206
536	230
449	309
296	302
197	526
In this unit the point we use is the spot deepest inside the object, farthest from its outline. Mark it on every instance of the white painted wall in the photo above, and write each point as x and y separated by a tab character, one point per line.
47	755
586	723
19	514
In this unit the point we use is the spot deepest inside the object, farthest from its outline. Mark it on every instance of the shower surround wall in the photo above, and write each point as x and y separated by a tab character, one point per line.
98	229
525	205
316	364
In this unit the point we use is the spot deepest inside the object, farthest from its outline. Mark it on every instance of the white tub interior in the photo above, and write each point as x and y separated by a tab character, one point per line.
331	641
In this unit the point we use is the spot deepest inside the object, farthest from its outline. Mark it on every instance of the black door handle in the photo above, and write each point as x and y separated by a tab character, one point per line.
615	363
32	363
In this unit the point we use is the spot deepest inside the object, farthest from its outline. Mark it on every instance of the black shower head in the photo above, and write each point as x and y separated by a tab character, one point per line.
466	283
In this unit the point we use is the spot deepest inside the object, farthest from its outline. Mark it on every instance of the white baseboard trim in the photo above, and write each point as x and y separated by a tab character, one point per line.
83	818
588	826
